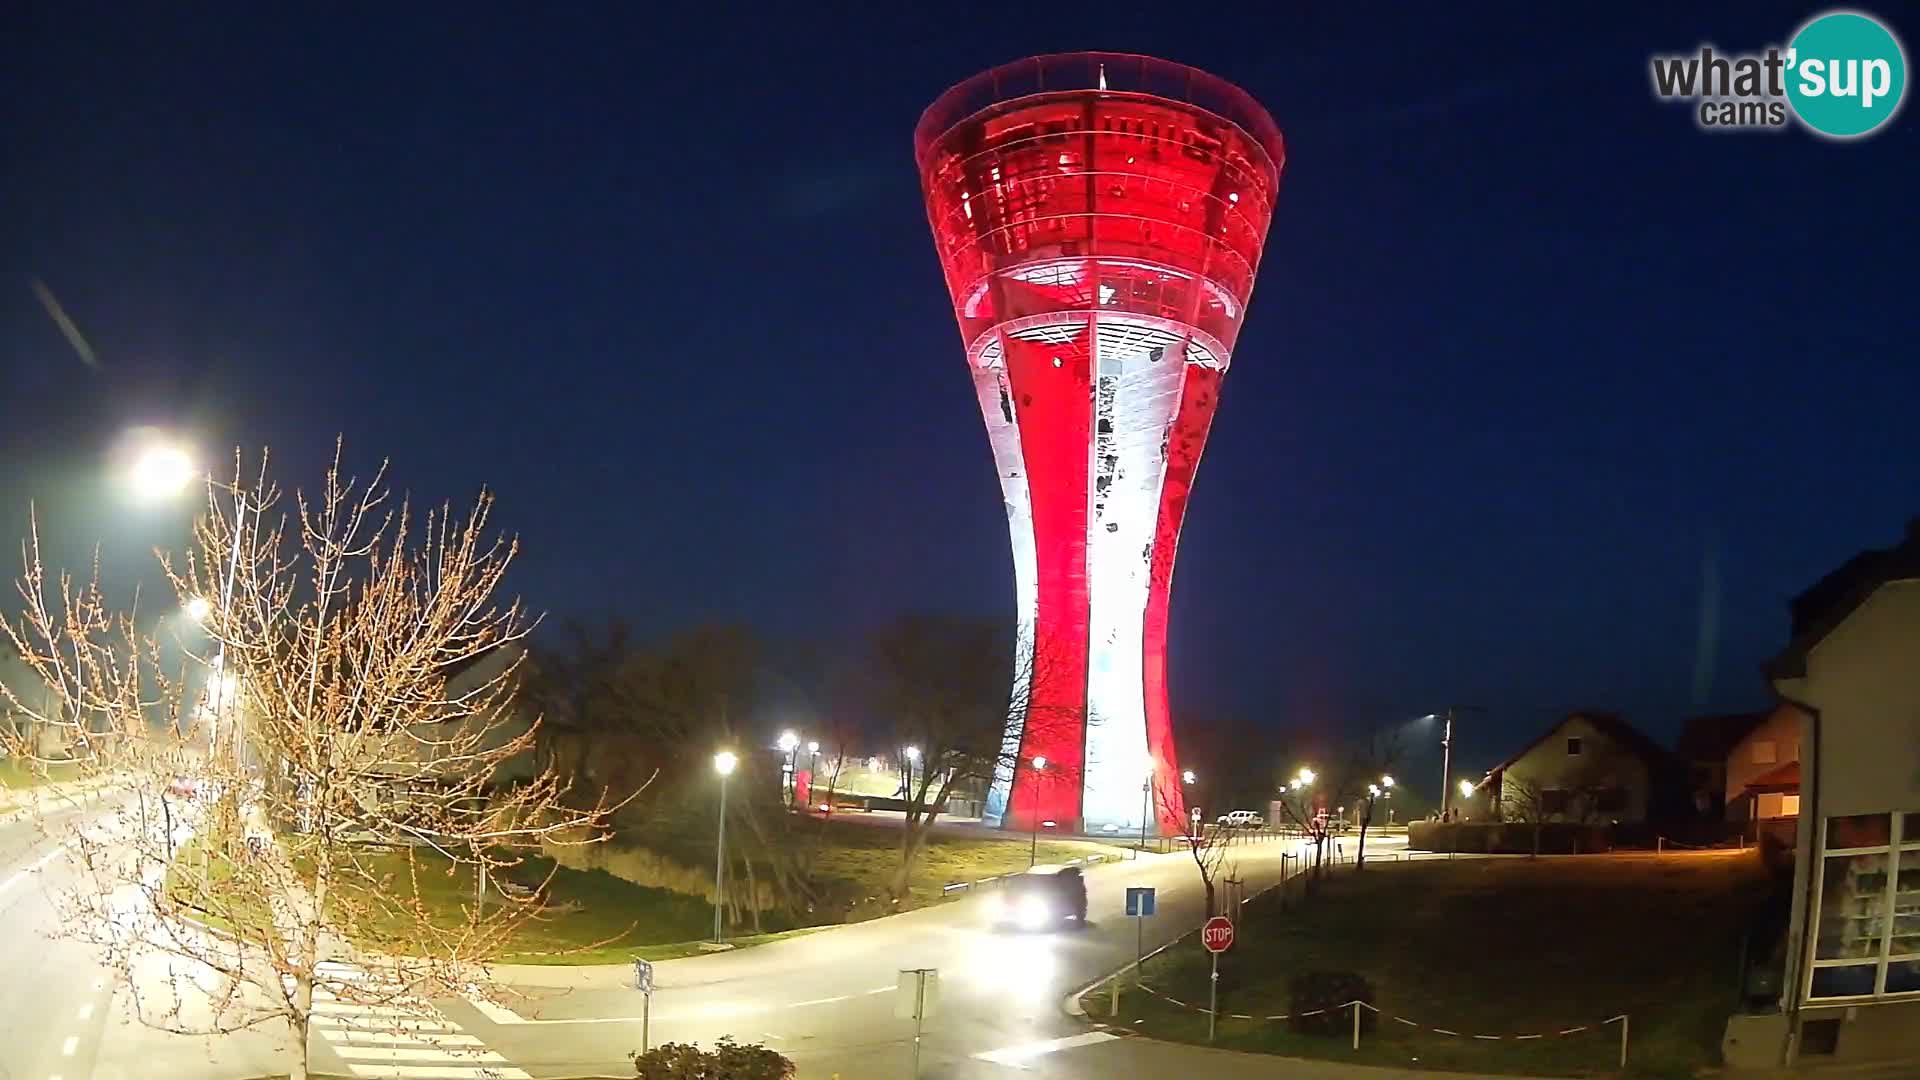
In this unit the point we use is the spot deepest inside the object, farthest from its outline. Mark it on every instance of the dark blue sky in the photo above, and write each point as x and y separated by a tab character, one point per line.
1527	352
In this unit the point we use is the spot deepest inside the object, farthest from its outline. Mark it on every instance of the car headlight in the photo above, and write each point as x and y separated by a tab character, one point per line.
1033	913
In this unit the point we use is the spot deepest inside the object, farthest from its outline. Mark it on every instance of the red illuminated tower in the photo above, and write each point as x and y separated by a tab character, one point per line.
1100	218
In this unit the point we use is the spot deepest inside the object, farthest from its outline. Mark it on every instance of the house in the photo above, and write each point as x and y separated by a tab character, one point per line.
1850	679
1763	768
1590	767
1704	744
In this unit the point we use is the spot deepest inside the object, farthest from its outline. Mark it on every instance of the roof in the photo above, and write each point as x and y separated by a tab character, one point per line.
1611	725
1821	609
1782	780
1711	738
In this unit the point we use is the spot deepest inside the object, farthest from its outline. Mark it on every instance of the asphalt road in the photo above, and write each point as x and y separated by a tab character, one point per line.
828	1000
54	1000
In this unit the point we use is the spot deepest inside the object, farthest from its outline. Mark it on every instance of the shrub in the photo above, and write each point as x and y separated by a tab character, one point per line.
1322	993
728	1060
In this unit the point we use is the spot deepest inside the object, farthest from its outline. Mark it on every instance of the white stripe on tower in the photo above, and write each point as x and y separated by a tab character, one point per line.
1137	392
1003	432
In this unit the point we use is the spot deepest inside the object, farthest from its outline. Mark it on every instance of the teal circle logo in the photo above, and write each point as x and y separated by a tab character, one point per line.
1846	74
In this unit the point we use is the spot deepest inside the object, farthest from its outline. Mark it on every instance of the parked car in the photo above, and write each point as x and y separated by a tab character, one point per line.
1041	898
1242	819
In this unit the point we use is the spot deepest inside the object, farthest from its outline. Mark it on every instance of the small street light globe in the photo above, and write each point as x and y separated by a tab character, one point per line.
1304	778
1187	777
197	608
1386	781
1373	790
813	748
1039	761
162	471
1466	789
724	761
788	740
913	753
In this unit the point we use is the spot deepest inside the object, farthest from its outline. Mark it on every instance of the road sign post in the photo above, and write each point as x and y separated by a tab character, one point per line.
643	982
1140	904
1217	936
916	996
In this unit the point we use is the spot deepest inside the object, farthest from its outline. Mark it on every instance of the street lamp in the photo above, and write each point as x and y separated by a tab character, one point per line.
1466	789
196	608
723	763
912	754
1033	849
789	746
1187	777
162	471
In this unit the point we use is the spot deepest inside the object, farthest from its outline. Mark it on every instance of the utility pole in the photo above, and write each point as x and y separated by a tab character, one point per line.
1446	765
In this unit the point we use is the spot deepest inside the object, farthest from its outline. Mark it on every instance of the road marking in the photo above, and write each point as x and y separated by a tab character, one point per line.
822	1001
365	1036
440	1071
1018	1056
398	1054
67	1048
34	867
85	1011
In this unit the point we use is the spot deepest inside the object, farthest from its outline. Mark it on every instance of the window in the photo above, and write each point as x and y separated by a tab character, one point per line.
1573	746
1553	801
1789	806
1763	752
1867	924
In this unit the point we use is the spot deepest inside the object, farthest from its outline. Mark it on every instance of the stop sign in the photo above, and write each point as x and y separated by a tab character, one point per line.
1217	935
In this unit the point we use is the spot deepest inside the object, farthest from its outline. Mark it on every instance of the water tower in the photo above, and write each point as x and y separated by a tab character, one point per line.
1100	218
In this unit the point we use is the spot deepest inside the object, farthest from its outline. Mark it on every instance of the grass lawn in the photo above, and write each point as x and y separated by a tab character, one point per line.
1487	946
856	860
18	774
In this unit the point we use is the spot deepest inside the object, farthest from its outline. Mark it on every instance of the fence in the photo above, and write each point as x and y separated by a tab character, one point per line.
1357	1005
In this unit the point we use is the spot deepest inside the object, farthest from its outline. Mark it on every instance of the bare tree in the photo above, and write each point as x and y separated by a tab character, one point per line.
948	686
1526	801
354	714
1209	851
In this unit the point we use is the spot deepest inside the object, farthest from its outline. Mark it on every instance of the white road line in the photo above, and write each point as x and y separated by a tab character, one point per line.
500	1014
360	1036
1018	1056
67	1048
398	1054
34	867
368	1023
441	1072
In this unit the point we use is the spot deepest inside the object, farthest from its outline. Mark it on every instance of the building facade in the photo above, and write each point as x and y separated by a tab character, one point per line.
1852	981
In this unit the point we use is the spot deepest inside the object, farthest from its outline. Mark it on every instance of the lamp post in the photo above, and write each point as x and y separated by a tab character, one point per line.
1033	849
723	763
1146	805
912	755
789	747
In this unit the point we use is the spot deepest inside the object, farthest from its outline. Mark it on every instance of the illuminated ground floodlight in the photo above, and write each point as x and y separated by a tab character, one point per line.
1099	218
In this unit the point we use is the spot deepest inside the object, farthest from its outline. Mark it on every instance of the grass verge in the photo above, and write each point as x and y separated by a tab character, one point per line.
1485	947
16	774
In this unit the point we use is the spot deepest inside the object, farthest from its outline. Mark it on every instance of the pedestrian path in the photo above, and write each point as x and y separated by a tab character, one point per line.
378	1033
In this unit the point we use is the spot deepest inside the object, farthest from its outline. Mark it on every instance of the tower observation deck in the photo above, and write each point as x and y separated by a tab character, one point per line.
1100	218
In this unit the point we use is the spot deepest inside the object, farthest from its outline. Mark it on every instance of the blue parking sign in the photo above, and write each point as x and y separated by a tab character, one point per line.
1139	901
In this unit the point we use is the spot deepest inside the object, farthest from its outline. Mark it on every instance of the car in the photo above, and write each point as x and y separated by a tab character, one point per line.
1242	819
1039	899
185	787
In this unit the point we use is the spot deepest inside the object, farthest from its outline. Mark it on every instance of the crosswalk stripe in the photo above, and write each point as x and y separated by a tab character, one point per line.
441	1072
359	1036
398	1054
374	1023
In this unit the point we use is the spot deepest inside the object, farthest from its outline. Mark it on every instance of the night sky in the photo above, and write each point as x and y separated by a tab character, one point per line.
1535	372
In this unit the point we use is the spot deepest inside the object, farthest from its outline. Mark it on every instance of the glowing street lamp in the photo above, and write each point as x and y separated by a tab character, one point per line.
1466	789
723	763
1386	781
1187	777
788	740
196	608
162	471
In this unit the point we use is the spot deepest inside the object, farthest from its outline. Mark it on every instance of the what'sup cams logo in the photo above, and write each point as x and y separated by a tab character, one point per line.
1842	76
